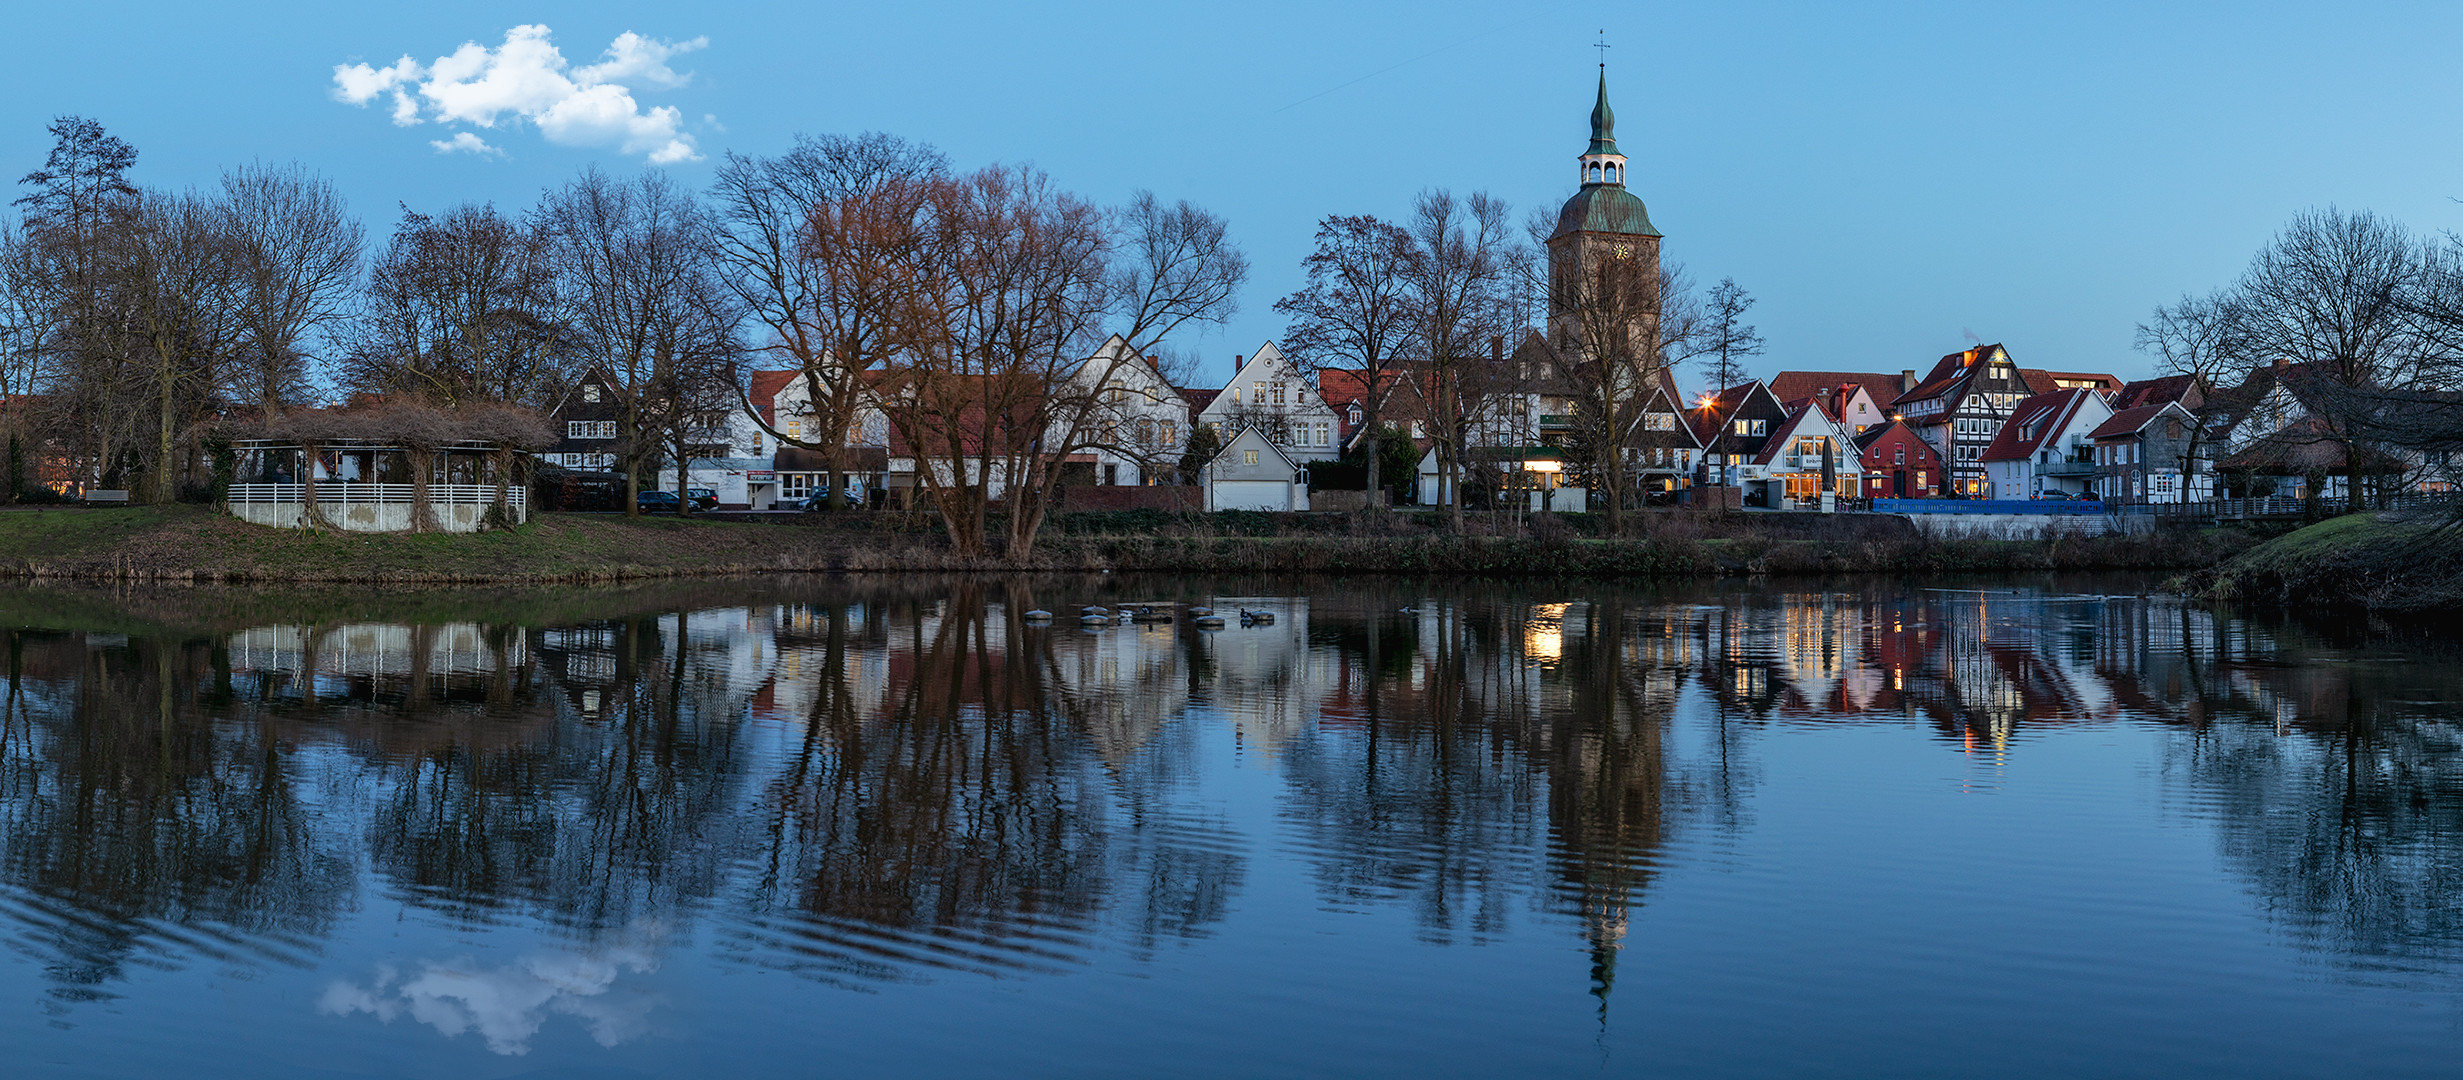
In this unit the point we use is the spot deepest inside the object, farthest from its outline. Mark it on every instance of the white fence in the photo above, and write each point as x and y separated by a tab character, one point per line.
335	491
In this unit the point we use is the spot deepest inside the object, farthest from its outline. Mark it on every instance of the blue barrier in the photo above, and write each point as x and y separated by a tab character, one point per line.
1988	506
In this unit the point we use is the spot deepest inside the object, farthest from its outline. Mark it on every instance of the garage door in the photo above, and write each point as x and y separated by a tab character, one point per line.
1252	495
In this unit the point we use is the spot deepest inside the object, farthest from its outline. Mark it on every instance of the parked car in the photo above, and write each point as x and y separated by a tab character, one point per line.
2061	495
703	498
657	502
820	500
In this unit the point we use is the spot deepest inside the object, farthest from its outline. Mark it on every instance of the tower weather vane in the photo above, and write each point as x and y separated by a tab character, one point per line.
1603	48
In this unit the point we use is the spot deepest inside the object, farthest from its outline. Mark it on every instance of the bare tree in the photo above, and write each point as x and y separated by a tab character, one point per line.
1726	338
816	245
1461	298
2333	305
1355	308
642	300
1011	290
2197	338
460	307
297	252
173	270
1625	323
75	202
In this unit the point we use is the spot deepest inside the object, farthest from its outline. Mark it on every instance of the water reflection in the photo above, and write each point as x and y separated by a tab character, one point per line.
868	782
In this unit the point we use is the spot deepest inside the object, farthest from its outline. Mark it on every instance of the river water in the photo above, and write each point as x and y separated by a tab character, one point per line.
2035	827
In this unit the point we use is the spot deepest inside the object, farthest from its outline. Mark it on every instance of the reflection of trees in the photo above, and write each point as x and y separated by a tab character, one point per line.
592	821
124	812
1510	715
959	828
2338	792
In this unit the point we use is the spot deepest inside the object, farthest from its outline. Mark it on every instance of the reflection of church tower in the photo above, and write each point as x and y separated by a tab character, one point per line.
1603	221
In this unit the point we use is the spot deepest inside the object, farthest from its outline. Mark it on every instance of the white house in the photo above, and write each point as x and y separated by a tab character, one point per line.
1253	473
1802	444
1271	394
2045	447
1142	421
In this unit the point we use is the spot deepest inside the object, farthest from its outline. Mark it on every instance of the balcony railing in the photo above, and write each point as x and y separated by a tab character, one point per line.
2068	468
1555	420
334	491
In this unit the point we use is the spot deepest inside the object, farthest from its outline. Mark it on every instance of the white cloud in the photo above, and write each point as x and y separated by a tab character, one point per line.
464	142
527	80
506	1006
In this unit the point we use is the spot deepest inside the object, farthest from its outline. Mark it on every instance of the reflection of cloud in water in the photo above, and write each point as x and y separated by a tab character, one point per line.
507	1005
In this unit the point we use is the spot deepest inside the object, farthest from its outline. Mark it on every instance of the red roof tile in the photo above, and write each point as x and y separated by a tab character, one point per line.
2045	413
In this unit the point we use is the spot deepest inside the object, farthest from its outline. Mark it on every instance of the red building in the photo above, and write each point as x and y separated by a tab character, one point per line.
1898	464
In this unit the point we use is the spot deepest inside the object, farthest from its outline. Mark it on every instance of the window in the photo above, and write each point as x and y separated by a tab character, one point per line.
590	393
1660	422
1248	457
1235	394
1923	479
1278	393
795	429
589	429
1325	433
1260	391
1899	454
1171	433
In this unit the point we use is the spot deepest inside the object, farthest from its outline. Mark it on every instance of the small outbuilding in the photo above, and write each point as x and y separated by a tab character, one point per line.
1252	473
393	466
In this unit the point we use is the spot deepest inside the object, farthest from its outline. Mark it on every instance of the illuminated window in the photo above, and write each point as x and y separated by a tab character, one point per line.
1248	457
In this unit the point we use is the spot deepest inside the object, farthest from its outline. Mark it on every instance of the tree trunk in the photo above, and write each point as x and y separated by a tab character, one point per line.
310	516
423	467
166	482
504	485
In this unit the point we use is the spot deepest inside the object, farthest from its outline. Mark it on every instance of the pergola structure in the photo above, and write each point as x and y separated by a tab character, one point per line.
393	467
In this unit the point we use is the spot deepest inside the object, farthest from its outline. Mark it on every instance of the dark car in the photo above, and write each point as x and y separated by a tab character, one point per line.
657	502
703	498
820	500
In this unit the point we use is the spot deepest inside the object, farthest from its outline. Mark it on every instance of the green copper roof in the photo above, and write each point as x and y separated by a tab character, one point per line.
1603	121
1604	208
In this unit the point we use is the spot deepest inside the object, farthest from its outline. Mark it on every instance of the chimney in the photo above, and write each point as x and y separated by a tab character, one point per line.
1971	359
1907	379
1496	348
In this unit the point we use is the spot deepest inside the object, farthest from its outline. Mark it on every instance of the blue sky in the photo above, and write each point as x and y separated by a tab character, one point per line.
1885	178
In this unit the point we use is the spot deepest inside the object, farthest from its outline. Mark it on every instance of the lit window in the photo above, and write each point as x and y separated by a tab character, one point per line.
590	393
1248	457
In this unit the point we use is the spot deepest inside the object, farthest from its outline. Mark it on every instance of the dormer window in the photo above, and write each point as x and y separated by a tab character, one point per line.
1353	413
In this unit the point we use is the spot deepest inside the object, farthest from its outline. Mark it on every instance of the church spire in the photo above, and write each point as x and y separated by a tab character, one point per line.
1603	163
1603	120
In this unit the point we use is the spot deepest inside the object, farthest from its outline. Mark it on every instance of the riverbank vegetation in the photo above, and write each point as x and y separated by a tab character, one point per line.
2388	564
195	544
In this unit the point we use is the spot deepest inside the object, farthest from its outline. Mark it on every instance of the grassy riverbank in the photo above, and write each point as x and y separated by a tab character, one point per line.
196	544
2394	564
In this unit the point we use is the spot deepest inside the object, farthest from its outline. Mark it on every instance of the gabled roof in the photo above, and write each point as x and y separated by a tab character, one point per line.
2041	381
1798	412
1250	438
764	392
1878	432
1790	385
2154	391
2132	421
1949	371
2034	422
1709	423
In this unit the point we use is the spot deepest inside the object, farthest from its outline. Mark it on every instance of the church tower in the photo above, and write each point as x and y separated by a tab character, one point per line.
1604	254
